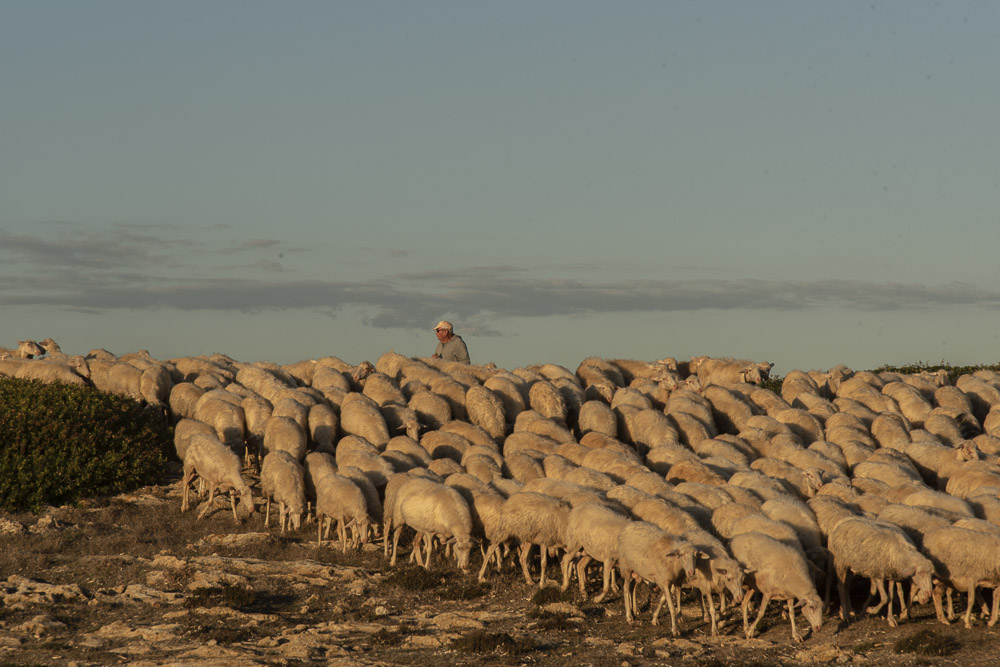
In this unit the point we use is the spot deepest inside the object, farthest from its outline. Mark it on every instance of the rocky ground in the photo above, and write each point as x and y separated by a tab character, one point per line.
129	579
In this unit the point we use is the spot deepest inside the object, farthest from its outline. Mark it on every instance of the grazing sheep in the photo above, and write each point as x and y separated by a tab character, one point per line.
382	389
285	434
965	559
74	371
719	573
186	429
359	415
282	479
546	400
432	410
340	500
732	371
654	556
183	399
880	552
530	518
778	572
486	410
222	411
509	392
219	468
530	421
596	416
592	532
26	349
729	411
431	508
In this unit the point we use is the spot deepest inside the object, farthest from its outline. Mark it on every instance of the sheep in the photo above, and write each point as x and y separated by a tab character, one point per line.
592	532
982	395
432	410
26	349
717	573
184	430
323	424
219	468
289	407
339	499
654	556
222	410
879	552
732	371
730	412
282	479
598	417
965	559
359	415
431	508
778	572
486	410
475	435
509	393
632	397
382	389
546	400
530	421
261	381
530	518
284	433
530	443
970	479
73	371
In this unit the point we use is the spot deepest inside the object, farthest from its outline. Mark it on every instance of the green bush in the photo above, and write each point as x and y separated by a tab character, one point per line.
59	443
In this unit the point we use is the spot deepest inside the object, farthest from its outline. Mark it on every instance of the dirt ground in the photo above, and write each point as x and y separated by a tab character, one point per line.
131	580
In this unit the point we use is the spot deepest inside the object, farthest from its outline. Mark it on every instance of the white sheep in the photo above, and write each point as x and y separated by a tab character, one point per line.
486	410
732	371
359	415
965	559
592	534
282	479
184	430
879	552
778	572
26	349
530	518
431	508
432	410
546	400
220	469
73	370
654	556
223	411
183	398
284	433
339	499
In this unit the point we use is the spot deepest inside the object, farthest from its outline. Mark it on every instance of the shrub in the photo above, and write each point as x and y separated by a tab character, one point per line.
59	443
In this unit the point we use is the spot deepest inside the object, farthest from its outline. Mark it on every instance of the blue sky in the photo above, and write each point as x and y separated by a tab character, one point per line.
808	183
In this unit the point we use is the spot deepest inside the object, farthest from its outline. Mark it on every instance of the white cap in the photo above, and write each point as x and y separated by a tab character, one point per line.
444	324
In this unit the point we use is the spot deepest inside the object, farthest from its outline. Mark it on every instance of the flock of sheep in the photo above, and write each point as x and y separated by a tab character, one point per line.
683	475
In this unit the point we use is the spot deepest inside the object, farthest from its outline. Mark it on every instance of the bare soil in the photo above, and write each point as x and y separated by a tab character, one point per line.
131	580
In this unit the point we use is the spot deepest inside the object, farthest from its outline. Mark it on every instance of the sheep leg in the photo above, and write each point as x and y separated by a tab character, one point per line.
876	585
319	531
904	602
627	593
971	594
746	605
395	544
889	615
996	605
525	552
494	548
267	511
951	605
186	482
386	527
936	595
608	570
544	561
566	567
208	503
429	543
282	515
668	598
706	597
581	575
845	599
760	614
791	614
232	501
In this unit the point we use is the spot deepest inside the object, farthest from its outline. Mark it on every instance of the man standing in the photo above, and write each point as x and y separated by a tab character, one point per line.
450	346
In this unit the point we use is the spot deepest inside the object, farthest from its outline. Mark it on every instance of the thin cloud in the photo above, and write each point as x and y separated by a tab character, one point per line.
142	267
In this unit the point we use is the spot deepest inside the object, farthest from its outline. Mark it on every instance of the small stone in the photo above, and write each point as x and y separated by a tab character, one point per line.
381	611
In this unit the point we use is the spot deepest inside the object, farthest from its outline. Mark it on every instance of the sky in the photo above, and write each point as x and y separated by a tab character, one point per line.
802	182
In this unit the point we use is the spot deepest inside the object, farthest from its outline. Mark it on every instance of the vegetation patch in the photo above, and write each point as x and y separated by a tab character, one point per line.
60	443
234	597
414	578
927	642
464	591
548	595
480	641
